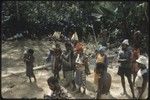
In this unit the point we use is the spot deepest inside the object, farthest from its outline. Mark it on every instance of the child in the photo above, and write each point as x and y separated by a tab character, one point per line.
58	92
80	78
142	75
29	60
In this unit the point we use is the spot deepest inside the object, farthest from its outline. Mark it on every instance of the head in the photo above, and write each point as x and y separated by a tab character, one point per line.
142	62
125	44
68	45
30	51
53	83
102	50
57	45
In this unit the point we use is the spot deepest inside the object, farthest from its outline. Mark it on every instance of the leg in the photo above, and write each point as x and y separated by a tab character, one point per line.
79	89
74	85
84	91
34	78
123	84
58	77
131	85
134	76
64	74
30	79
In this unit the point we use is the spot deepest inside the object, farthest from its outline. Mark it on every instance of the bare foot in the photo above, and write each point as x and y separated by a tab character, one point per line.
124	93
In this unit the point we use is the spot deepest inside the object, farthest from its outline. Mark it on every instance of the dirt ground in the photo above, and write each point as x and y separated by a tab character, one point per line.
18	85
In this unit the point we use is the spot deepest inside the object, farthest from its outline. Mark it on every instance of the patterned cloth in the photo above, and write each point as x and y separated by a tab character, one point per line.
61	94
80	78
69	76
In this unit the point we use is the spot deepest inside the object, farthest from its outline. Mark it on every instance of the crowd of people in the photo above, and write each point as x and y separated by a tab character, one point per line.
74	64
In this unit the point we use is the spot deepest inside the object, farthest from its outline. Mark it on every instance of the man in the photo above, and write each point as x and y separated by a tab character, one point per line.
57	61
125	68
142	75
68	62
58	92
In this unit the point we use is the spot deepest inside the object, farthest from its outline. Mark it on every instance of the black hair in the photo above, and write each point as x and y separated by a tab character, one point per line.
31	51
57	45
52	80
68	44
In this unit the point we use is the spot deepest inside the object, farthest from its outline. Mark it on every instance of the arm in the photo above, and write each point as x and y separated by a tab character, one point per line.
143	87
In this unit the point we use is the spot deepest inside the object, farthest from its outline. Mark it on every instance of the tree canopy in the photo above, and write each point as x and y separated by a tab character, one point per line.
43	17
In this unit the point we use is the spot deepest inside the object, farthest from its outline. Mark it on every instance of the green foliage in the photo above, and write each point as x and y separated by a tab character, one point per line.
18	16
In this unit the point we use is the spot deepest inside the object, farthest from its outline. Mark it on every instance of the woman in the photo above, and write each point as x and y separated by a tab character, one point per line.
29	60
80	78
101	69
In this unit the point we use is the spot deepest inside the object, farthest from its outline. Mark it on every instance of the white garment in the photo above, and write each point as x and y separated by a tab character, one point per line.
139	78
74	36
126	41
57	35
78	59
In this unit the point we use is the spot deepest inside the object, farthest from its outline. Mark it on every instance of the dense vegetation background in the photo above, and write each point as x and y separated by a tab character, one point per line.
114	20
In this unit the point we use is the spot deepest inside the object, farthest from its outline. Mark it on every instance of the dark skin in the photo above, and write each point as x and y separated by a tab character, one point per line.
124	47
69	48
81	65
31	54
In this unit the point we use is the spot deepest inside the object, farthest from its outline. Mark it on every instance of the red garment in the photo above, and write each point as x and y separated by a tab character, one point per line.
79	47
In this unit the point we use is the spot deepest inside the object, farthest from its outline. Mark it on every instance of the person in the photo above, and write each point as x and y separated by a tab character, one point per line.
58	92
29	60
68	65
80	77
106	87
142	75
134	57
57	61
87	70
125	68
101	69
136	51
50	57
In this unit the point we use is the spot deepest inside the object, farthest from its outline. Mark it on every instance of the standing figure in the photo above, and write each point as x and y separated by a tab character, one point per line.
142	75
87	70
137	43
125	67
57	61
134	57
29	60
50	57
80	77
68	65
101	71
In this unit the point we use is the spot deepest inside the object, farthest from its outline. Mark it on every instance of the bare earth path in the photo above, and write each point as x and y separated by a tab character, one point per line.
18	86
